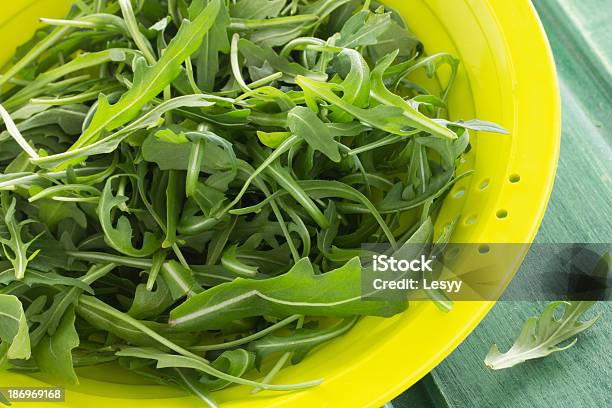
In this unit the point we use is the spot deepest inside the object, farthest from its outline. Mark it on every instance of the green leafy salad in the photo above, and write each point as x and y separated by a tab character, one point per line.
185	186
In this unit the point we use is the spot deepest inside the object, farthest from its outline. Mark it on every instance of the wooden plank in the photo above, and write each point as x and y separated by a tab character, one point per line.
579	211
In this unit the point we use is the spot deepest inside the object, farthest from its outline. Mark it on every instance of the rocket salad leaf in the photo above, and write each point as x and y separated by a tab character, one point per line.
13	329
54	353
543	335
321	295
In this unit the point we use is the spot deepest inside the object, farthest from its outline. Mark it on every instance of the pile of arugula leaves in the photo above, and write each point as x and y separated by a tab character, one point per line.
185	185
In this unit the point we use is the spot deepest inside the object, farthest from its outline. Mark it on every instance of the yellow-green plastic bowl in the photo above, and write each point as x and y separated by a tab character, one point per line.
507	76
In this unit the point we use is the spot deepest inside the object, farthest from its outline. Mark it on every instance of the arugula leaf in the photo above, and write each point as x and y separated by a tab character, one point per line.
305	123
322	8
82	62
179	279
53	212
197	389
356	84
474	124
54	353
49	320
363	29
215	42
165	360
388	118
300	342
110	143
396	37
174	193
14	132
13	328
272	139
415	118
120	237
150	303
15	249
41	45
103	317
176	156
542	336
234	362
321	295
34	277
257	55
256	9
149	81
230	261
69	118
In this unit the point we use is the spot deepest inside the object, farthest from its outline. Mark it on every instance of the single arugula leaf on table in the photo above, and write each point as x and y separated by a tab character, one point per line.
543	335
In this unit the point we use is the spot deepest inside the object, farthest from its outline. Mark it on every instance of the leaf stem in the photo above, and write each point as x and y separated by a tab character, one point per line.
16	134
247	339
236	70
35	52
239	24
132	25
282	148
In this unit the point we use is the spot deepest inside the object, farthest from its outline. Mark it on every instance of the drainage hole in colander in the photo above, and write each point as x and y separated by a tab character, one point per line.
514	178
501	214
484	184
483	249
459	193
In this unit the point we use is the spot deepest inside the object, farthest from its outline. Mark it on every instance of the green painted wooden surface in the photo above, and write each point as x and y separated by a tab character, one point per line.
580	210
